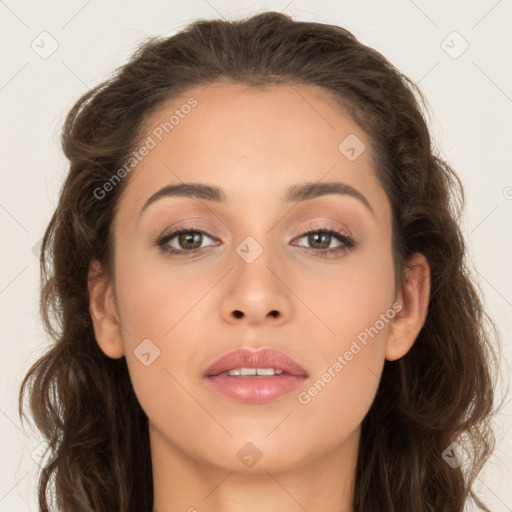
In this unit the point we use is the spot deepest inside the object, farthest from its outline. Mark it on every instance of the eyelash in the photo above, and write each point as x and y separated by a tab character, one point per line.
348	243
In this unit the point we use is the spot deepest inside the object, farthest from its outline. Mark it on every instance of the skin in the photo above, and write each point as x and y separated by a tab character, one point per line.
254	144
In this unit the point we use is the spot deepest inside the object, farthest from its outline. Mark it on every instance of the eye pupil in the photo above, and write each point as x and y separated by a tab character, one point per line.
313	239
189	238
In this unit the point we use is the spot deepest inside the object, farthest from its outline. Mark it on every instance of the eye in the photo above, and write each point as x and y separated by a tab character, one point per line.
189	240
323	241
185	240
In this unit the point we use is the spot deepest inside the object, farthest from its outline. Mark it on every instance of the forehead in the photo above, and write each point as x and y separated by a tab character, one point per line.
252	143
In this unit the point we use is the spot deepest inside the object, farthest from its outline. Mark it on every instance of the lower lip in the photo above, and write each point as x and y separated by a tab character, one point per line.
255	389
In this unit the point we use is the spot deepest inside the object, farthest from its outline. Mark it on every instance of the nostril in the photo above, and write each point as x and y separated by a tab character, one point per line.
274	313
238	314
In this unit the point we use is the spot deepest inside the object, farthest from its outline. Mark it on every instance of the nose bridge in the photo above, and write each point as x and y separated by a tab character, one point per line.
253	263
256	291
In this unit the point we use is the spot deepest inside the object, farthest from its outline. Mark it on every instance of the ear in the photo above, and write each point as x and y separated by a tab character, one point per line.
414	298
103	310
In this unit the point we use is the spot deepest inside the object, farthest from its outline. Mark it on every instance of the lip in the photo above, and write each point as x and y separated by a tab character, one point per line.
263	358
255	389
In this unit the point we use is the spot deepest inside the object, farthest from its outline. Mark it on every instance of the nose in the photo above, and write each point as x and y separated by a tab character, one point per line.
256	291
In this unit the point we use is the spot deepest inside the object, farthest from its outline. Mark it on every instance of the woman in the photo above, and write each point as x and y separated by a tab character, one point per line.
256	283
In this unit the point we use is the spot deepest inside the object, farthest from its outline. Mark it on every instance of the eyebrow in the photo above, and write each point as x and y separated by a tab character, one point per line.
294	193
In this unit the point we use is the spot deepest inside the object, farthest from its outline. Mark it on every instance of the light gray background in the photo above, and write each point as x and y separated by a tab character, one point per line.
470	115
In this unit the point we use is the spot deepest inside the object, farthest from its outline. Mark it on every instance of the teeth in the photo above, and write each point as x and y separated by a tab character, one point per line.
254	371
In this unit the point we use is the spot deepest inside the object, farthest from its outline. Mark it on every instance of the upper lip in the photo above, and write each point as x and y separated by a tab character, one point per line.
263	358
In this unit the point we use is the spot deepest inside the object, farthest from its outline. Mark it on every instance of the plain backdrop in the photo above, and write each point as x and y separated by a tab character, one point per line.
52	52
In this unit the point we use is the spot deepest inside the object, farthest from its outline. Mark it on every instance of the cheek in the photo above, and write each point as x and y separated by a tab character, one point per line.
348	298
339	396
355	306
154	298
159	307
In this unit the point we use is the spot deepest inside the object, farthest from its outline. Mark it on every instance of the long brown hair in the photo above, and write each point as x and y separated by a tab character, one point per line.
439	393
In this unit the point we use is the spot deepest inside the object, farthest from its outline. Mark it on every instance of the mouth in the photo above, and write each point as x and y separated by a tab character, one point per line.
255	376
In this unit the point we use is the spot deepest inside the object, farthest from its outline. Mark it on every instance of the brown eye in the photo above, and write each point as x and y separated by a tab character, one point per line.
319	240
190	240
183	241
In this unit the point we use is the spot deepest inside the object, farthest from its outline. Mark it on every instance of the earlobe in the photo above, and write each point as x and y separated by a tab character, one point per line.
103	310
414	299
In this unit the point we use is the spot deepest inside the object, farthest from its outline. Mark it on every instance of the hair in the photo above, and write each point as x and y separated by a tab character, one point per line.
440	392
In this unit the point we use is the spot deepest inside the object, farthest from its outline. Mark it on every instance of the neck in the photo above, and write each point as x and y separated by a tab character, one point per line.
184	483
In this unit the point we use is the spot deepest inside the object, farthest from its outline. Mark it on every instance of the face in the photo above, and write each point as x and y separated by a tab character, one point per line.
309	276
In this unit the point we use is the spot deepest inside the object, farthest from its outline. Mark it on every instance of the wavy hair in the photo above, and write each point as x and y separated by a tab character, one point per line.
440	392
